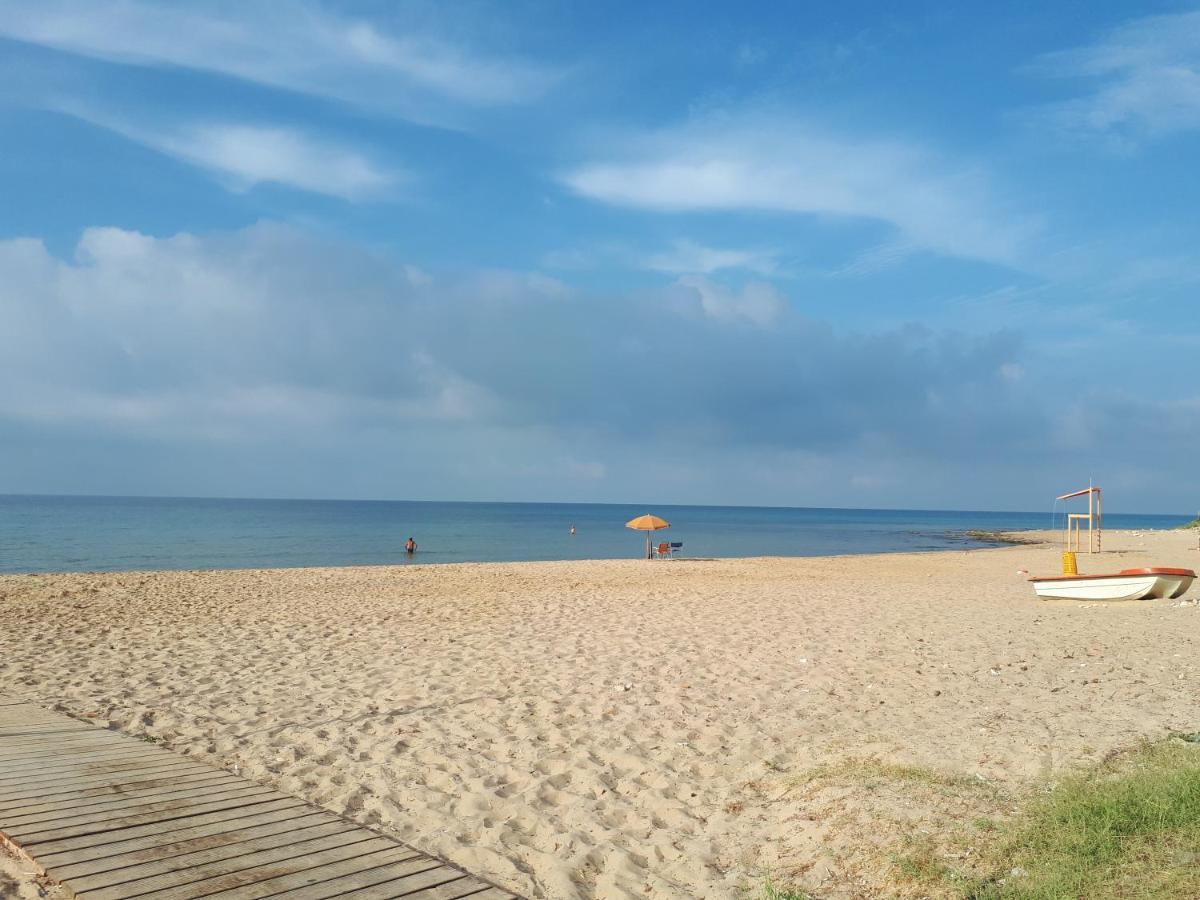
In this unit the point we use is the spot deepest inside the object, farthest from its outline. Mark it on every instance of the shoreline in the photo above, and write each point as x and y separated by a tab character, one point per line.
612	728
995	540
114	534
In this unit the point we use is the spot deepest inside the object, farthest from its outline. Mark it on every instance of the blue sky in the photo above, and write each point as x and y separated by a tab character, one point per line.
934	255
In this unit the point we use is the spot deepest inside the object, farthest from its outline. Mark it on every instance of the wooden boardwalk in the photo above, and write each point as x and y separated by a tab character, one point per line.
113	817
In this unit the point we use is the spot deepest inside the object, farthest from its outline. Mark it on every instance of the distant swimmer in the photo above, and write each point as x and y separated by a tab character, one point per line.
572	529
410	546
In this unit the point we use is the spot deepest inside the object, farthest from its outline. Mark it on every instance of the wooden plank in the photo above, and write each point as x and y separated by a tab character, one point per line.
52	749
118	804
454	882
115	818
22	714
181	840
39	762
72	767
97	774
335	885
77	803
65	726
80	774
38	834
49	760
228	841
158	772
159	828
130	807
17	737
48	721
35	750
279	883
102	792
87	768
228	853
114	800
9	722
252	867
452	890
21	746
440	883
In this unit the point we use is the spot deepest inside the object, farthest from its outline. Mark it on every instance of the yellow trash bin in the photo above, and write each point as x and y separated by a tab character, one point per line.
1070	567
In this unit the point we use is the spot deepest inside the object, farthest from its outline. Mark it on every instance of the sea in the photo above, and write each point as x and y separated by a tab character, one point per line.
94	534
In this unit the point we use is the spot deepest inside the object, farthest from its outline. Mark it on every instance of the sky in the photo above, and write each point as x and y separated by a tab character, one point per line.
917	255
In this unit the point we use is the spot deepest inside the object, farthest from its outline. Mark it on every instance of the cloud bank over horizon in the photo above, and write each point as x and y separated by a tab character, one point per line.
269	340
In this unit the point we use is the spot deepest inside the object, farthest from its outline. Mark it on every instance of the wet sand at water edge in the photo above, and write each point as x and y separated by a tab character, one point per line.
629	728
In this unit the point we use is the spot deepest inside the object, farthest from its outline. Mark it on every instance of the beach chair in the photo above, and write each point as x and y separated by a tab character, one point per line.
663	550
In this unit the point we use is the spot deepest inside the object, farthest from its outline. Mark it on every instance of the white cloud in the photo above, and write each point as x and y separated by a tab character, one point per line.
253	155
1148	74
218	336
773	162
688	257
876	259
680	257
269	360
267	330
243	156
757	302
295	45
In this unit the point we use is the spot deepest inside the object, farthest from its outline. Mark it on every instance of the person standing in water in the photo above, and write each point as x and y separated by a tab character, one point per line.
410	546
572	528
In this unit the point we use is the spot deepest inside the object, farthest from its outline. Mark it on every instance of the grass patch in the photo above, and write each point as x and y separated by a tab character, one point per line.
1129	828
872	769
772	891
1195	523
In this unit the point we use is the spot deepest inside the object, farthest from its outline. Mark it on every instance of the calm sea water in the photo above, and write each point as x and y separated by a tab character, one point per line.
41	534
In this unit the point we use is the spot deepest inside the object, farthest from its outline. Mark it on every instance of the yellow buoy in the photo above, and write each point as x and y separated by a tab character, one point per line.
1070	567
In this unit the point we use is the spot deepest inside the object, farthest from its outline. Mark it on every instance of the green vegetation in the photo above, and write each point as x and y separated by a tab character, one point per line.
771	892
1195	523
1130	828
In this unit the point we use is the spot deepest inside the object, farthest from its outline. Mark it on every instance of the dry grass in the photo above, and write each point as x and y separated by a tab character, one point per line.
1130	828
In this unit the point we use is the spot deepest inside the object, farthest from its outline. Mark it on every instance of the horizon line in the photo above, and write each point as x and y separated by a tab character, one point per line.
1050	512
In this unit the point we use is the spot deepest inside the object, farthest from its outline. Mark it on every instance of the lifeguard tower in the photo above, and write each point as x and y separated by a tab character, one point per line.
1075	521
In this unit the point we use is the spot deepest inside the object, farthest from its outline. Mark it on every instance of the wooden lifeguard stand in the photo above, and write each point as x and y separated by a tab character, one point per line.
1093	518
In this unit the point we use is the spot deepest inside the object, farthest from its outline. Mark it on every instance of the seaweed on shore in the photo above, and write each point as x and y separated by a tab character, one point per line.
1000	537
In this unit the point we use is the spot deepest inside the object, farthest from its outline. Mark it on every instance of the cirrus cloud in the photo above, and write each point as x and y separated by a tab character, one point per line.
293	44
776	162
1146	77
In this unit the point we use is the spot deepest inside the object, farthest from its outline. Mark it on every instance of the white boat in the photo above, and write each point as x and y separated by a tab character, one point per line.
1128	584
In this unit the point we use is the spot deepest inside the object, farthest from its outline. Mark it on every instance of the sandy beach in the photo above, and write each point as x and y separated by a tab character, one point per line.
631	728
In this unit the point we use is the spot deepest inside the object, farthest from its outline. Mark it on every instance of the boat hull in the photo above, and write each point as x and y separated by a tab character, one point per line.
1129	584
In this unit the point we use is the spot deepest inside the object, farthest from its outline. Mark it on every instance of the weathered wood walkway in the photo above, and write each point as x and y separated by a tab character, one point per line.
113	817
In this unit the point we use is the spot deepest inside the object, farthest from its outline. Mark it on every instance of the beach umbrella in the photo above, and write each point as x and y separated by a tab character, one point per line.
648	524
